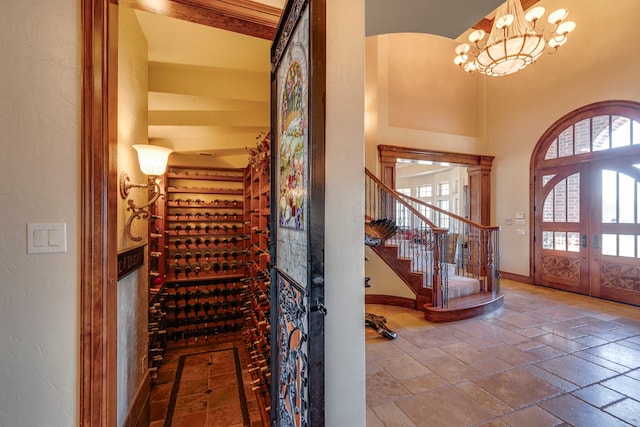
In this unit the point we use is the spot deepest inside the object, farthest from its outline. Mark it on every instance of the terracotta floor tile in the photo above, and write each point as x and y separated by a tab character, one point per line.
533	416
627	410
194	419
221	397
453	370
598	395
373	420
160	392
435	408
419	385
560	343
564	332
224	416
530	332
392	416
625	385
634	374
516	387
600	361
511	354
591	341
545	352
403	366
431	338
490	366
465	352
550	378
620	354
484	398
576	370
383	388
578	413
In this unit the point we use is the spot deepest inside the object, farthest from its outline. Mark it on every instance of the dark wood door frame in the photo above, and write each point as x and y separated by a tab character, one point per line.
478	169
99	185
98	273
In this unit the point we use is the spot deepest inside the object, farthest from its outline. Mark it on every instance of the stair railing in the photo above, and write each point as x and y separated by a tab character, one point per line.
440	243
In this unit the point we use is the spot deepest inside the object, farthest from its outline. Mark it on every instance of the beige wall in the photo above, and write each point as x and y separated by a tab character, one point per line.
591	67
416	97
40	182
513	111
344	259
133	290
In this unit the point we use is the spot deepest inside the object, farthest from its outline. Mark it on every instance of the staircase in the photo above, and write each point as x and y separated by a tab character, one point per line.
452	271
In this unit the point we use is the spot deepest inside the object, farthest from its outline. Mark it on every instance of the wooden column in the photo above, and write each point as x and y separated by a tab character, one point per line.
480	191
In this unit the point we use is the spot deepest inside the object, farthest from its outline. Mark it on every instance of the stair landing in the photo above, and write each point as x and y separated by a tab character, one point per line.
464	308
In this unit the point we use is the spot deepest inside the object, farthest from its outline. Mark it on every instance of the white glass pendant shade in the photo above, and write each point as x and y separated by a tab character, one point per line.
558	16
152	158
534	14
514	42
511	55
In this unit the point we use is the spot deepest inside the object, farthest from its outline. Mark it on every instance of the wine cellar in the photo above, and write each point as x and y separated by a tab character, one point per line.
209	270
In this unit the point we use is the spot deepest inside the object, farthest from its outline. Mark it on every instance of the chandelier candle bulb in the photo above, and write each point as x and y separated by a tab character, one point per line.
514	43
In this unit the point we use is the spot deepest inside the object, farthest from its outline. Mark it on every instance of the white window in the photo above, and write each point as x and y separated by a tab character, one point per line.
406	191
443	189
424	191
443	219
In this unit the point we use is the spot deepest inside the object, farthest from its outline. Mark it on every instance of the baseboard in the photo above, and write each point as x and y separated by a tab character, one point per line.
390	300
517	277
138	414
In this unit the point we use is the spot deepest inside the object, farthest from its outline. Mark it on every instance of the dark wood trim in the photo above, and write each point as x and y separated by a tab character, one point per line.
98	269
139	410
464	308
240	16
517	277
390	300
479	171
610	107
392	153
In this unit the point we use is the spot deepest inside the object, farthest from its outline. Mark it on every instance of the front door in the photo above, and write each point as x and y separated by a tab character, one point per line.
587	209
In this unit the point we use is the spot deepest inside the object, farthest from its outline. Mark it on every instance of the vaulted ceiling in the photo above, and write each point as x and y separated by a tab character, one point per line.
209	62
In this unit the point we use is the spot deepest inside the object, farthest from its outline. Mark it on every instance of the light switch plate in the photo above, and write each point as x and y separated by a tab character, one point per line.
46	238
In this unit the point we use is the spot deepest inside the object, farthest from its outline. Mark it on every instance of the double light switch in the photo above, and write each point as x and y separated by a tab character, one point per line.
46	238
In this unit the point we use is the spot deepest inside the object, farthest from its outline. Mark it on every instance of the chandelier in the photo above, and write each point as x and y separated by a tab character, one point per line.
514	41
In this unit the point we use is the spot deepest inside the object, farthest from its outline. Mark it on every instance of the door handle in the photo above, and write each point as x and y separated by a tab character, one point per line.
584	240
596	243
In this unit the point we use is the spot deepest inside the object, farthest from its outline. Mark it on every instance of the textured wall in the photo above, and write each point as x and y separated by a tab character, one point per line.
344	260
132	129
39	170
591	67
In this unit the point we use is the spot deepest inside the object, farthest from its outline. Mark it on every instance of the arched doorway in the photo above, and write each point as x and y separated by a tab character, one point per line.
586	202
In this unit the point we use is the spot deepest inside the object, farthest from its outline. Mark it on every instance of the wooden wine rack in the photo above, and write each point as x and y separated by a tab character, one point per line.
257	329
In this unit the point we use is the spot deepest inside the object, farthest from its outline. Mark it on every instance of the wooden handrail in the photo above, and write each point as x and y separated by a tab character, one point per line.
483	258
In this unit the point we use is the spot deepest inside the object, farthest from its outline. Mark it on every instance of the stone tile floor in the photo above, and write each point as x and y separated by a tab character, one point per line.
546	358
208	395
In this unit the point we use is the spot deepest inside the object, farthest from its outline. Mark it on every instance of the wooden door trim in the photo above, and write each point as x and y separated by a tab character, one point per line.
479	170
612	107
240	16
98	275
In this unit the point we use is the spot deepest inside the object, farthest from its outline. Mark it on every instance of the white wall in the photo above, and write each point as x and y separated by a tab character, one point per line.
344	247
40	176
